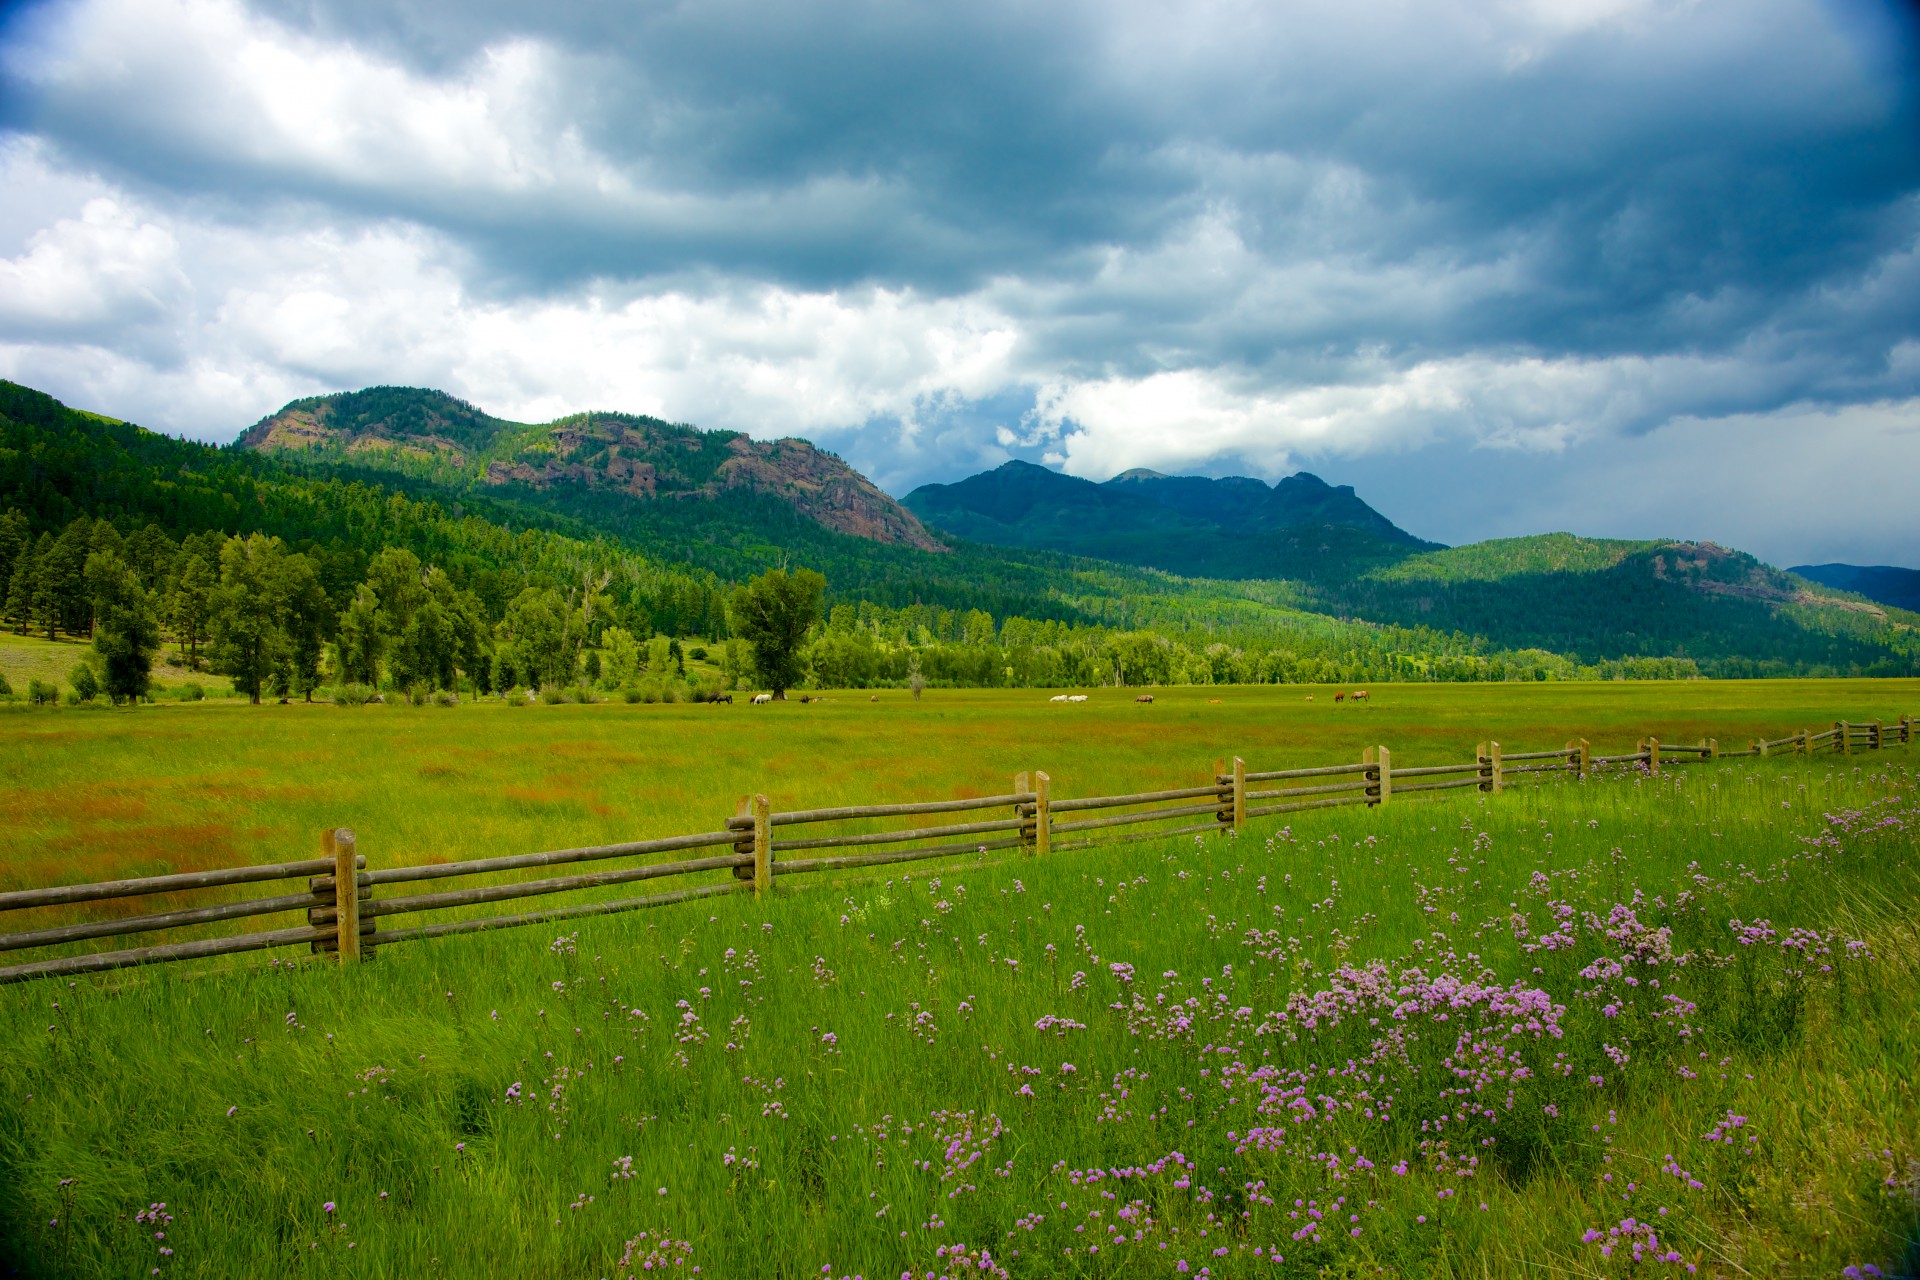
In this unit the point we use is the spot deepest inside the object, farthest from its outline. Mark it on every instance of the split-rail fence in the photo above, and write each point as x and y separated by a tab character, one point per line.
754	846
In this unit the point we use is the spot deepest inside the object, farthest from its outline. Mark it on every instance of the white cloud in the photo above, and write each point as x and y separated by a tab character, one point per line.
1144	234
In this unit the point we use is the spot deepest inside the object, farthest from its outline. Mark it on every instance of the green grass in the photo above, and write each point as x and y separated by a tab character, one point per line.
841	1087
186	787
24	658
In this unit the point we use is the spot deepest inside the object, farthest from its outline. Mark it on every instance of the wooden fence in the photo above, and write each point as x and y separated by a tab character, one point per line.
1028	818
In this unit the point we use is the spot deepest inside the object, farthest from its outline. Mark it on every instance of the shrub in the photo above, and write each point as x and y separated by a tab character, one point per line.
442	698
6	689
352	695
630	694
576	693
553	695
86	685
698	653
42	694
191	691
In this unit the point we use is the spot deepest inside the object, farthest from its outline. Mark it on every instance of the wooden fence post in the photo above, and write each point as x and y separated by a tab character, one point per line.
1652	748
1379	775
1759	747
1906	730
1239	793
1492	776
1223	782
762	846
1876	738
1712	746
1578	756
1840	734
1042	814
1806	742
346	895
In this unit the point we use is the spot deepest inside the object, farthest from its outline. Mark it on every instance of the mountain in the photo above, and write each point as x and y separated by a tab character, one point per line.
1879	582
432	435
1589	596
1237	527
413	472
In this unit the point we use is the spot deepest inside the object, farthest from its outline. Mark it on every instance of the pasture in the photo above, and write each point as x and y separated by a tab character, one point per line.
96	795
1596	1028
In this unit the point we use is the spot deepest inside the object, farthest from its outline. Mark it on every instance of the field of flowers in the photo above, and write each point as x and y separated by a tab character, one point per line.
1629	1025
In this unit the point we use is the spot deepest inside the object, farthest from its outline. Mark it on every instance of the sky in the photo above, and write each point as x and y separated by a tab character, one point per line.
1629	268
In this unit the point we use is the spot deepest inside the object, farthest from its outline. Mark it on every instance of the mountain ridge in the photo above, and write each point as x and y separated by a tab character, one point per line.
1233	527
1881	583
438	436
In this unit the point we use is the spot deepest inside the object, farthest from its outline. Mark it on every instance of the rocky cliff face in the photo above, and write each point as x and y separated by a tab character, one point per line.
430	433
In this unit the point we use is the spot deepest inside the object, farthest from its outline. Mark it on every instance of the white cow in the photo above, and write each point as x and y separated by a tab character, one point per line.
759	698
1058	697
1077	697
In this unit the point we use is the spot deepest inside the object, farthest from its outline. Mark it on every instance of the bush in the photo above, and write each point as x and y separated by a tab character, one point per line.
442	698
630	694
576	693
42	694
697	653
191	691
86	685
6	689
352	695
552	695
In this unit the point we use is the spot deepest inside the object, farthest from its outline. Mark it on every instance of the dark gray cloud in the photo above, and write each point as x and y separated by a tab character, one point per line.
1197	236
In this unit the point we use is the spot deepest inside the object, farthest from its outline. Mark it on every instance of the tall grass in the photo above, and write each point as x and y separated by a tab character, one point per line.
1631	1024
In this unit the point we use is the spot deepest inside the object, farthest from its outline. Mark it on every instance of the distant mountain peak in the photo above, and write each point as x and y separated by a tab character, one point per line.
431	433
1231	527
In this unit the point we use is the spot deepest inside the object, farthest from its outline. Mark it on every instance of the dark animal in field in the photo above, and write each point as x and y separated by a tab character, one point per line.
1145	697
1339	697
719	698
873	697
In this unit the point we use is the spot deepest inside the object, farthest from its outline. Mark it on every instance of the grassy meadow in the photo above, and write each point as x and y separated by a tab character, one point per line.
97	794
1603	1028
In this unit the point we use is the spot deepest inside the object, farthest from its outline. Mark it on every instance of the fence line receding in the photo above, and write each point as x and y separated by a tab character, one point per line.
1027	818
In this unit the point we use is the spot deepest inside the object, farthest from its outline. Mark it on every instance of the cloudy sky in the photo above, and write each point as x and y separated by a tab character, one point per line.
1626	267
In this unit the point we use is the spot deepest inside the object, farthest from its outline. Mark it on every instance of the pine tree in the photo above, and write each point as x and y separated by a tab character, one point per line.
126	632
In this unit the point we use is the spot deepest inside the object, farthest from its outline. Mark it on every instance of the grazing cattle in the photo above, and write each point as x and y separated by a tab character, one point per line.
1360	695
719	698
1309	697
1145	697
760	698
1339	697
1058	697
873	697
1076	697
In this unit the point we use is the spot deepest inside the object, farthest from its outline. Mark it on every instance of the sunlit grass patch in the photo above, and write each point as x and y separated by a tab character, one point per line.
1435	1025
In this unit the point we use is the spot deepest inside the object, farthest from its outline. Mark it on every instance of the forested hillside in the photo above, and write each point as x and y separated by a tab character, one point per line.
1301	528
296	570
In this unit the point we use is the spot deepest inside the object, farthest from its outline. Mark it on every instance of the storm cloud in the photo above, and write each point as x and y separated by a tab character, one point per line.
1514	266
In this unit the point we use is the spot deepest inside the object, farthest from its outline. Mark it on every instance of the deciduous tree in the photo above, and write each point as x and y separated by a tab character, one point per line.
772	613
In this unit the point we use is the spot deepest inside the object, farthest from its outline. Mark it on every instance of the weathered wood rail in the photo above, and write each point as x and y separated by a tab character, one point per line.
1027	818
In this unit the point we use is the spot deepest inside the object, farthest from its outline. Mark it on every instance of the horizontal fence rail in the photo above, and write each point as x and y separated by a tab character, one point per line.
748	859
